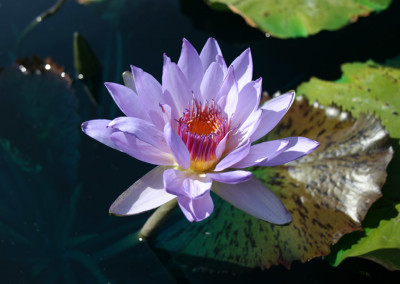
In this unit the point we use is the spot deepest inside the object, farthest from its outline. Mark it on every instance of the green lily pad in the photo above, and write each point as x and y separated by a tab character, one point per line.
327	192
380	244
289	19
363	87
379	241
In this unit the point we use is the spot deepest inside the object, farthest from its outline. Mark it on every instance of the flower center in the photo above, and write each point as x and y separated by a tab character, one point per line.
201	129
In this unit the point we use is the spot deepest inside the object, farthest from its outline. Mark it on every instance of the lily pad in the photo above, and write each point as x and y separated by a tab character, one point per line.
289	19
47	235
363	87
327	192
381	244
36	96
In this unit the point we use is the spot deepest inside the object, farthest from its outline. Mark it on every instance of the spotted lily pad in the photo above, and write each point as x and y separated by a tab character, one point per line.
288	19
363	87
327	192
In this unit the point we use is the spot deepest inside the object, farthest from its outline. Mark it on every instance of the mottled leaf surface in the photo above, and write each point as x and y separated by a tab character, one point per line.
288	19
363	87
328	193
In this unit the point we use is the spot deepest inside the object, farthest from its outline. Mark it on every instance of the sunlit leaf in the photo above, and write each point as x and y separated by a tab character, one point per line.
288	19
328	193
381	244
363	87
379	241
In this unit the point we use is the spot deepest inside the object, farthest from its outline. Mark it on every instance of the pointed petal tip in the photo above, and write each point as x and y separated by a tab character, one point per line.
166	58
286	219
134	68
84	126
312	148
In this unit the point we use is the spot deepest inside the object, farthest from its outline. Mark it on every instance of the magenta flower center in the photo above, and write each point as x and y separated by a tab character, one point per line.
201	129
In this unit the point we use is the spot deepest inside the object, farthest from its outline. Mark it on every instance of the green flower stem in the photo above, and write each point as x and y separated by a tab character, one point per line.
157	219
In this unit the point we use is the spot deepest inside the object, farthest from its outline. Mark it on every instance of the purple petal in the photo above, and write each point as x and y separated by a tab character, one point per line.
142	151
212	81
255	199
232	177
129	81
97	129
198	209
221	146
148	88
243	66
221	62
233	157
209	52
145	194
248	100
177	147
142	130
296	148
181	183
227	96
127	100
175	87
191	66
242	134
262	152
273	111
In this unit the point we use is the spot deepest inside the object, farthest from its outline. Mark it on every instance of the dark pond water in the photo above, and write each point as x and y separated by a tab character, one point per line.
56	184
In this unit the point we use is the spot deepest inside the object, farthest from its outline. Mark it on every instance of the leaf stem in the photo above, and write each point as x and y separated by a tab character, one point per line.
157	219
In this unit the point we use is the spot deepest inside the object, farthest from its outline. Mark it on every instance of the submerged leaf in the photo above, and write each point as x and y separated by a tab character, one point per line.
36	96
327	192
363	87
288	19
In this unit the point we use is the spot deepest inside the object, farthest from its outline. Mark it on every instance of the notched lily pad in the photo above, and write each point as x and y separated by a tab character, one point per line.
363	87
288	19
328	193
380	244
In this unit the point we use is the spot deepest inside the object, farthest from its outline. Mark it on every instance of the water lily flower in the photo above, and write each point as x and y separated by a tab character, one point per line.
199	126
